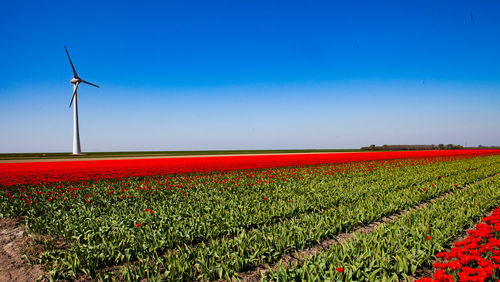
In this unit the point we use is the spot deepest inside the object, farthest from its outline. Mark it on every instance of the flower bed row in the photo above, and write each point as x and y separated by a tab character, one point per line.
224	257
63	171
477	258
394	251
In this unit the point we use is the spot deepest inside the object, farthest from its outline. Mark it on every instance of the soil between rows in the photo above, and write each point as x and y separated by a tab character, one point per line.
12	246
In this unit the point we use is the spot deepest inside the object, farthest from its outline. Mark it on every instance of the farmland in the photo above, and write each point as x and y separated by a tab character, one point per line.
349	216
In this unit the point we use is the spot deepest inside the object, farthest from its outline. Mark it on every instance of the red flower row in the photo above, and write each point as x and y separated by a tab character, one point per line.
477	258
63	171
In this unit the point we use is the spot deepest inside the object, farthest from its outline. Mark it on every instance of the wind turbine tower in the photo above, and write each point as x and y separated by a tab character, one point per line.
76	80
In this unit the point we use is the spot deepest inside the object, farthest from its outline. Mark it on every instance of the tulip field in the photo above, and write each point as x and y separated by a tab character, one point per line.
242	217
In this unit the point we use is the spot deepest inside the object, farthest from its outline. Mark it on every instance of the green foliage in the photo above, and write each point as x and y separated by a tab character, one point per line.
395	250
212	226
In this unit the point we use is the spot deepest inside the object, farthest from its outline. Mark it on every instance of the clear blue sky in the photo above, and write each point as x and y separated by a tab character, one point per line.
188	75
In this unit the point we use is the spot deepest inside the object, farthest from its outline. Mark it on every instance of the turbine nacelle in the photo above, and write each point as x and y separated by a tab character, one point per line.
76	80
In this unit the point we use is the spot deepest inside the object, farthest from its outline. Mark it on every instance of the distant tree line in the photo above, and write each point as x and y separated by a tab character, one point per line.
488	147
411	147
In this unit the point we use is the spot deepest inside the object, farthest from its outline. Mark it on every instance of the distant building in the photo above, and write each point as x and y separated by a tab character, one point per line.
411	147
399	147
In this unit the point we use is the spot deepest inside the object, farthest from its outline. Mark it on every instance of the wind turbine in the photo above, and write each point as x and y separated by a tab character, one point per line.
76	80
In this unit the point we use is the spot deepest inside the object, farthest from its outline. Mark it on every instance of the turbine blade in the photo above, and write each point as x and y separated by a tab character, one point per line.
73	67
90	83
74	94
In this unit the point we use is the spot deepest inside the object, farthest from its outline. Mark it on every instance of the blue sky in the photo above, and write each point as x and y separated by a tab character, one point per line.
189	75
